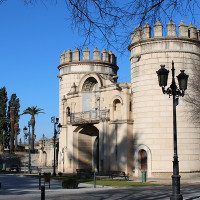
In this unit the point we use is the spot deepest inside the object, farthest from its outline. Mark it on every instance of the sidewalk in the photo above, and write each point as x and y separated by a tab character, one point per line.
22	187
26	183
168	181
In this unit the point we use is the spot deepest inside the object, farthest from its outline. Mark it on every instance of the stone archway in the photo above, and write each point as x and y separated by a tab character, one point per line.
142	160
88	148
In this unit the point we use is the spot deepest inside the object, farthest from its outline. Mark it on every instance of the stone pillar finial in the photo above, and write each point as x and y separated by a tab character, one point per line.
192	31
96	54
171	29
136	35
105	56
183	30
147	31
158	32
62	57
112	57
68	56
76	55
86	54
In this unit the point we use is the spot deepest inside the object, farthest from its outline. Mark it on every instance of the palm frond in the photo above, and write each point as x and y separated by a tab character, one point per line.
33	110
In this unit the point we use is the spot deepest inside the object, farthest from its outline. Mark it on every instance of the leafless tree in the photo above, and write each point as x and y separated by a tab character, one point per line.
193	96
1	1
112	21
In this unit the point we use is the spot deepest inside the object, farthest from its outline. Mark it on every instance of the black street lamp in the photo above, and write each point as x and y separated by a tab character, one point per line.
28	134
175	92
55	121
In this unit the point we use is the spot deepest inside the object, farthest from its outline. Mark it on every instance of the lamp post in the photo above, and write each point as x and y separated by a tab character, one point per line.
55	121
28	134
175	92
42	148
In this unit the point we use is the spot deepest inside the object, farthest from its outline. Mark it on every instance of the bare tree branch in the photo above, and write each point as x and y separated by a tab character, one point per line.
1	1
193	97
111	21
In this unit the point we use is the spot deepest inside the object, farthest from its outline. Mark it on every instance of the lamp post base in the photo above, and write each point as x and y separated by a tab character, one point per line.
176	197
176	187
54	174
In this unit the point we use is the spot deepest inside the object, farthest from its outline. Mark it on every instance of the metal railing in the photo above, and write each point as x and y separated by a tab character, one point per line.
93	116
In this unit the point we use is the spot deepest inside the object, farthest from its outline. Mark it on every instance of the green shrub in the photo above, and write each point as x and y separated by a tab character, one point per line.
70	183
59	173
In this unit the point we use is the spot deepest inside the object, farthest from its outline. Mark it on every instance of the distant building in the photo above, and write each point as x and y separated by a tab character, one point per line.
128	126
46	152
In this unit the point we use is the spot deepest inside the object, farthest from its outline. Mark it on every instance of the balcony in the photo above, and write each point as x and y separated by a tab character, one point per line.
91	117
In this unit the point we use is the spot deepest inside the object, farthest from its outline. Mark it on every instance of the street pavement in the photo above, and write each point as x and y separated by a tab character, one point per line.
19	187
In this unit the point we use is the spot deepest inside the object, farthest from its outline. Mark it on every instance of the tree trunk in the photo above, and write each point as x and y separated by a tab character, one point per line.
16	129
33	131
12	121
15	141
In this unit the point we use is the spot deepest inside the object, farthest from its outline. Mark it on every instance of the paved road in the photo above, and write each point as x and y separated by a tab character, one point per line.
16	187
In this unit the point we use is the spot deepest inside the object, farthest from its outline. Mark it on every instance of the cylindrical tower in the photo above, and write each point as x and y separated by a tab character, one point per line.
72	69
74	74
152	111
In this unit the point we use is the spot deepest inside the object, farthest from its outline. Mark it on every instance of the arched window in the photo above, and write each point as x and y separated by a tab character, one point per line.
116	109
89	85
116	104
89	94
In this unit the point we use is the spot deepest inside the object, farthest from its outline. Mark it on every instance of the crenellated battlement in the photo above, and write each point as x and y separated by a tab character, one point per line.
187	32
105	56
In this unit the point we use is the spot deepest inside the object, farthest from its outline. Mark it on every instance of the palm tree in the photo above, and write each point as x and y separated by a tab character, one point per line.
33	110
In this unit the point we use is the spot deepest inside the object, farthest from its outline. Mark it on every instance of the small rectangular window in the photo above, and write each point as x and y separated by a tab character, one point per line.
130	106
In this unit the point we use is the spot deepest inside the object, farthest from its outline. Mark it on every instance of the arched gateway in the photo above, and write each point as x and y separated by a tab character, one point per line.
88	148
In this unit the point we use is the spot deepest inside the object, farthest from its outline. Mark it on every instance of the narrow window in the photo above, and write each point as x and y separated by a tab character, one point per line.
116	109
68	111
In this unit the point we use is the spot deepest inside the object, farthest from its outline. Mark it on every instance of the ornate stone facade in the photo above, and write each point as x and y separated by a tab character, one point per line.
128	126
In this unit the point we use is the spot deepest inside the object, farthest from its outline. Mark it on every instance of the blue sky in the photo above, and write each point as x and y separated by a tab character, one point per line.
32	38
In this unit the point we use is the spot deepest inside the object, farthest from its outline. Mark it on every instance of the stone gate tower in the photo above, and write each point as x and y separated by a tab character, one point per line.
111	126
152	111
93	110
